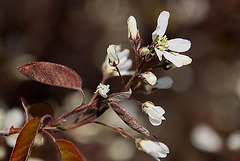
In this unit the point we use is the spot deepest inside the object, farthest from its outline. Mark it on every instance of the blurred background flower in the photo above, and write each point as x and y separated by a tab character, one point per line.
77	34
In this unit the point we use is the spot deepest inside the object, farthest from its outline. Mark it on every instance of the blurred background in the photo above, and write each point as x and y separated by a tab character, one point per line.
202	107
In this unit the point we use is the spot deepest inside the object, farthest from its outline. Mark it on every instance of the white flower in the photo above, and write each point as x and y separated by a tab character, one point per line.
169	48
155	149
103	89
149	78
113	59
133	33
124	64
155	113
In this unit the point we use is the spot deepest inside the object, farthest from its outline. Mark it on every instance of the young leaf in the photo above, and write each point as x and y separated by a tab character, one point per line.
52	74
68	151
38	109
128	118
25	140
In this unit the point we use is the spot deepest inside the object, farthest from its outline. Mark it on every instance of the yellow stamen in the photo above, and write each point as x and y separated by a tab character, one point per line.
161	43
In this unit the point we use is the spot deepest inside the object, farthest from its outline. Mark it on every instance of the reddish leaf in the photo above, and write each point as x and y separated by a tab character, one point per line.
40	109
128	118
25	140
68	150
52	74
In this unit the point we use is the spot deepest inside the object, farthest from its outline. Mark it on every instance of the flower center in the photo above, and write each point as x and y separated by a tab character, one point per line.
161	43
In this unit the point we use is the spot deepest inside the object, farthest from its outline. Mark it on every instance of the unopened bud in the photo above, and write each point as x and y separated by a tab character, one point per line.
113	59
144	51
149	78
133	33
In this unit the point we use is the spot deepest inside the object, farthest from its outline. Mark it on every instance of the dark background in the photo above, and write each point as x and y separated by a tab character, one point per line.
76	34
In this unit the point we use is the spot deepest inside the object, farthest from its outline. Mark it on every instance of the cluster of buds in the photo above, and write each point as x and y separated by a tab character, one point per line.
117	64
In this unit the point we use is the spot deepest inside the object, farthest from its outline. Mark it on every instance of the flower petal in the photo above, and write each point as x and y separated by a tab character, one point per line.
154	121
123	54
164	83
179	45
126	65
185	59
159	54
124	73
162	24
173	58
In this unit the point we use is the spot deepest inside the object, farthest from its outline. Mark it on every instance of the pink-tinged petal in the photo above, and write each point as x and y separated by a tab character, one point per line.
179	45
185	59
162	24
159	54
173	58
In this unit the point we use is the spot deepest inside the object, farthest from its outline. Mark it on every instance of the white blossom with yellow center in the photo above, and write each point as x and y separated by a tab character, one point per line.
169	48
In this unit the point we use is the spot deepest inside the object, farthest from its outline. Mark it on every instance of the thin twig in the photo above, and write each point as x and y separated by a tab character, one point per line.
123	133
122	81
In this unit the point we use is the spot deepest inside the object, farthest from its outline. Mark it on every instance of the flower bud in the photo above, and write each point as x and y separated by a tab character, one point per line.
149	78
144	51
103	89
113	59
133	33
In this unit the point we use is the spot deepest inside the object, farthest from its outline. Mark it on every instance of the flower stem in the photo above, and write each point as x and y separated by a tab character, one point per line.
122	81
89	119
123	133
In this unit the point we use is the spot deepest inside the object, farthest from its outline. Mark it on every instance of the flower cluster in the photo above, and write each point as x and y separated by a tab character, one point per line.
117	64
161	50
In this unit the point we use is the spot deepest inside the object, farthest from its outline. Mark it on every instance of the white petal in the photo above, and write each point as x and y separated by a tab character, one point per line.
159	54
154	156
124	73
179	45
126	65
162	24
123	54
154	121
164	147
118	48
173	58
185	59
164	83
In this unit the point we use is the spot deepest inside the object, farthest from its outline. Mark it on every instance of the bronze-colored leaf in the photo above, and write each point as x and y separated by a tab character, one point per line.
128	118
52	74
68	151
25	140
